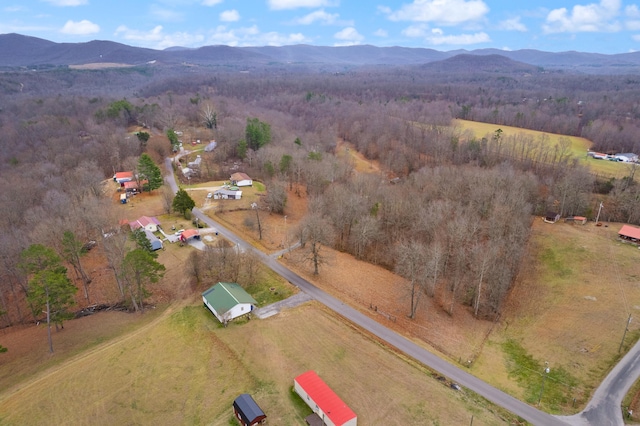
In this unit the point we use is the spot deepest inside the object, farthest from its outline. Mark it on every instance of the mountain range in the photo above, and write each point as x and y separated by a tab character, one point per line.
20	51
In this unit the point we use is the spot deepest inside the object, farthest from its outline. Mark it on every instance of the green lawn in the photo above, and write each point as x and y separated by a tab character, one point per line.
579	146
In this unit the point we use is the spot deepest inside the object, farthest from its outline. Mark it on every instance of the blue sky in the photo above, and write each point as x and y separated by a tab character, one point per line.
605	26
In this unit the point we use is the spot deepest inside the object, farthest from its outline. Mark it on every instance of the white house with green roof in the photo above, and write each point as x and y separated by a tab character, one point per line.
228	301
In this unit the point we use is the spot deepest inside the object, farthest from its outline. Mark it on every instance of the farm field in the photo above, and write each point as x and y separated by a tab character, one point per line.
579	146
182	367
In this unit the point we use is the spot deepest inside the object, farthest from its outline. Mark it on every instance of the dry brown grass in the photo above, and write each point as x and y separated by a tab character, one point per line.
183	368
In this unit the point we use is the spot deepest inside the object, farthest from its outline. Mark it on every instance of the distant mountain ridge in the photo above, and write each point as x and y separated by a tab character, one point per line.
25	51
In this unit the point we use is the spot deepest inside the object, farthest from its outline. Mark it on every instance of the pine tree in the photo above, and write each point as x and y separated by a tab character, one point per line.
49	287
182	202
149	171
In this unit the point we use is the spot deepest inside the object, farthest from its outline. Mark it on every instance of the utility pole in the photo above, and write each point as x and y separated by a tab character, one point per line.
626	328
599	210
544	377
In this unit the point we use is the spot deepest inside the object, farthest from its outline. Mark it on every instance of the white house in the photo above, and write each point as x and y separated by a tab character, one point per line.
228	301
226	194
147	223
241	179
627	157
326	405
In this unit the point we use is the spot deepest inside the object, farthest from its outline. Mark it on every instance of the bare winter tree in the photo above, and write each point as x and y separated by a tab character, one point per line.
411	259
315	233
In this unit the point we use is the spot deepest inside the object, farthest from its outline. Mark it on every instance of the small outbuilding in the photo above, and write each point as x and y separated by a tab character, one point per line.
241	179
576	219
328	408
228	301
189	234
247	411
551	217
629	233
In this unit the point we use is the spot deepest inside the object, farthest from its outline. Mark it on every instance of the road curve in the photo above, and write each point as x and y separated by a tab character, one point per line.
411	349
602	410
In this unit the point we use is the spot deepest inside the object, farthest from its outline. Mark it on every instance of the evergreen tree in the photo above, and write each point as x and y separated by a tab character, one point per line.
182	202
49	287
139	269
257	133
142	242
149	171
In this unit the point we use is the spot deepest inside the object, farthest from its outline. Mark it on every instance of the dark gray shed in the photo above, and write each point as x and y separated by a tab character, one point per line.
247	411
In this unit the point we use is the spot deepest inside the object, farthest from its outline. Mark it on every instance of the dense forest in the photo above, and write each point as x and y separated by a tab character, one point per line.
452	214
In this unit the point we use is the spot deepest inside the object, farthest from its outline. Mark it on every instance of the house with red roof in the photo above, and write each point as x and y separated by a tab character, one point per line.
146	222
629	233
328	408
122	177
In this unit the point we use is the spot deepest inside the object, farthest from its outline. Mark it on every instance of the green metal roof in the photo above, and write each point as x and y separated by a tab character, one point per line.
224	296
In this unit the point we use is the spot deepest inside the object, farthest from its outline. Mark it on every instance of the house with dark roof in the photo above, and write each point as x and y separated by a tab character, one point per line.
247	411
629	233
228	301
241	179
551	217
328	408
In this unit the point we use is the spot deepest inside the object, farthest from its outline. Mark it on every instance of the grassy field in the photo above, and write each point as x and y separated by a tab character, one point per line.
579	146
569	309
182	367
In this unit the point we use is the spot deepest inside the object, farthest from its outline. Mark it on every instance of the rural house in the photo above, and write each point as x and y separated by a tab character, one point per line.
148	223
627	157
241	179
122	177
227	194
228	301
328	408
629	233
156	244
247	411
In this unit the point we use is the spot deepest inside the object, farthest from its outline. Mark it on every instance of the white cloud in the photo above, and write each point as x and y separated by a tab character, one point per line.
64	3
446	12
211	2
381	33
593	17
230	16
636	37
348	37
295	4
320	16
80	28
437	38
14	8
512	24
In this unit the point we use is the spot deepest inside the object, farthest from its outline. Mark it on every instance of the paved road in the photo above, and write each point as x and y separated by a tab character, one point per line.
603	410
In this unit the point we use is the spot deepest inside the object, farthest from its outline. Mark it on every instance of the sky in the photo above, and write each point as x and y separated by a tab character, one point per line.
605	26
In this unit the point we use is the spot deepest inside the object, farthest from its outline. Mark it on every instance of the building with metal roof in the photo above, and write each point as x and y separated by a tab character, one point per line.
228	301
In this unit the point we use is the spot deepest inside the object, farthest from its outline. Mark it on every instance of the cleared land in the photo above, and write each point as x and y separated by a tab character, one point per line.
579	146
184	368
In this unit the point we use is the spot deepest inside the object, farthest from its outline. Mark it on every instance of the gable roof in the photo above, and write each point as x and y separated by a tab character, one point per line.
327	400
240	176
123	175
188	234
248	408
143	221
629	231
224	296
